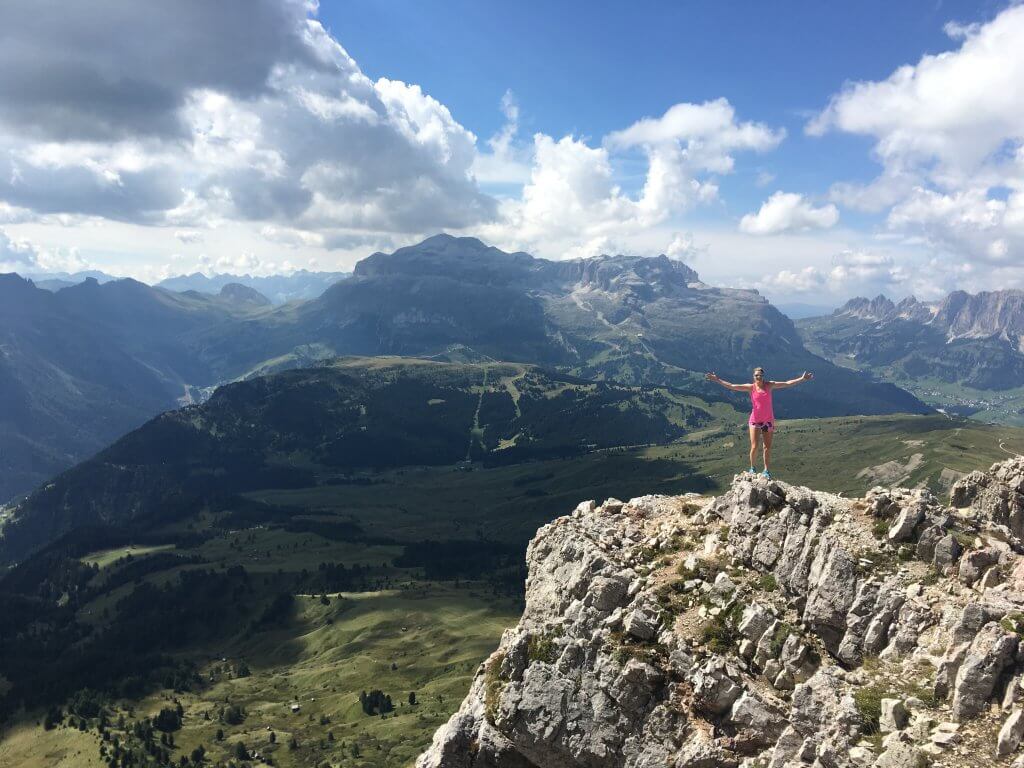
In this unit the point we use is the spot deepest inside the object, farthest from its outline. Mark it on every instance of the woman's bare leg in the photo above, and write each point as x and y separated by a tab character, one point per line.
753	444
767	440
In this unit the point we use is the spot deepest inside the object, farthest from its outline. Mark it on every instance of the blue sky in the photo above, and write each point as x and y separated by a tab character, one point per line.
589	68
813	151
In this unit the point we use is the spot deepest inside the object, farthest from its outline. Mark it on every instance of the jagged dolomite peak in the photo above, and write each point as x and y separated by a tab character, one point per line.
771	626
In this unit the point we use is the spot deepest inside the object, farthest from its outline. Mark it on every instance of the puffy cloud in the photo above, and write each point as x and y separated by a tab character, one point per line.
22	256
572	205
183	116
852	271
706	134
969	221
10	214
684	248
570	198
954	110
788	212
292	238
507	162
17	255
949	136
115	69
690	140
241	263
795	281
859	266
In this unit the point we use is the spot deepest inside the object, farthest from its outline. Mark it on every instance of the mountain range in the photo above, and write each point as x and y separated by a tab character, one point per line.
964	345
85	364
297	286
54	281
623	318
82	366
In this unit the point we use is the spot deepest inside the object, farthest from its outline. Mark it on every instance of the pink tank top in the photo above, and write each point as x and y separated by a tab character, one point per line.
761	400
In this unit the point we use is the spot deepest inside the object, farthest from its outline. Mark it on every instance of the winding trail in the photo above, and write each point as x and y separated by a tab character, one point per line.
1004	449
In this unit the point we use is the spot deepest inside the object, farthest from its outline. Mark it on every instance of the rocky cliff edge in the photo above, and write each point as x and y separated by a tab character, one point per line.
770	626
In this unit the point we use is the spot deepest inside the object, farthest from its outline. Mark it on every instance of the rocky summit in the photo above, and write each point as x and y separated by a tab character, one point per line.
770	626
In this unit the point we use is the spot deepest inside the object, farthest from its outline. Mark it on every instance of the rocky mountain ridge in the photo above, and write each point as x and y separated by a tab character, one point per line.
883	309
637	320
300	285
633	320
973	342
960	315
770	626
81	366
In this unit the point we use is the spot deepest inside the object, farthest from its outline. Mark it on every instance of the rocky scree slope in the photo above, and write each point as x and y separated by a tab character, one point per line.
770	626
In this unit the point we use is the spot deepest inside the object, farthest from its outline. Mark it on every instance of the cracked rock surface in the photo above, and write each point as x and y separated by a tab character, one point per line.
771	626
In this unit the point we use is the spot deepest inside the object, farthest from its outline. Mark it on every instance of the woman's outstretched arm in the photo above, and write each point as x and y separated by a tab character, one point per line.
792	382
712	376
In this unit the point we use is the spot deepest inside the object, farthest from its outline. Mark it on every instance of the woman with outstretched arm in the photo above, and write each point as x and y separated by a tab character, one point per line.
762	417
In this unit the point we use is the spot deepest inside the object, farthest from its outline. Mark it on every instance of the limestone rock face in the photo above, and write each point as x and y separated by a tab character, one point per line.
772	625
996	496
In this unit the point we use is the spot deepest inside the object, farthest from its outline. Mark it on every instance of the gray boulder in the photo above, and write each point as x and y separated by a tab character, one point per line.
1010	734
986	658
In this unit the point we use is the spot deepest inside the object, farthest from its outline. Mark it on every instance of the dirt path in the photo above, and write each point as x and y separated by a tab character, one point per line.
1004	449
474	431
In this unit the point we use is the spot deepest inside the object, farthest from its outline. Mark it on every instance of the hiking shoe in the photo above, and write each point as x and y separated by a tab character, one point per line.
752	471
766	475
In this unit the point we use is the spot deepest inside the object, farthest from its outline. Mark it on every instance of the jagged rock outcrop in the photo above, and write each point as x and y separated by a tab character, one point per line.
882	309
989	313
996	497
772	626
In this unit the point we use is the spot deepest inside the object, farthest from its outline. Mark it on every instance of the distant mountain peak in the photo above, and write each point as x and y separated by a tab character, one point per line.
982	315
243	294
882	309
15	289
879	308
13	278
279	289
470	259
657	274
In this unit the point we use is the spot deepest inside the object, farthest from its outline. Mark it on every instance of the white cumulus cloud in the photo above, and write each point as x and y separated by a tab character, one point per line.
850	272
949	135
788	212
574	206
178	120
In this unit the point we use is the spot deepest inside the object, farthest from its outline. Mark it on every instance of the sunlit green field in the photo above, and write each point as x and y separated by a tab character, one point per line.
850	455
434	635
106	557
847	455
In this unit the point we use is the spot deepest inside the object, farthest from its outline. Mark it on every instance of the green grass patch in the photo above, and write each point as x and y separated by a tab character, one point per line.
868	699
767	582
779	638
1013	622
541	648
494	684
107	557
720	634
